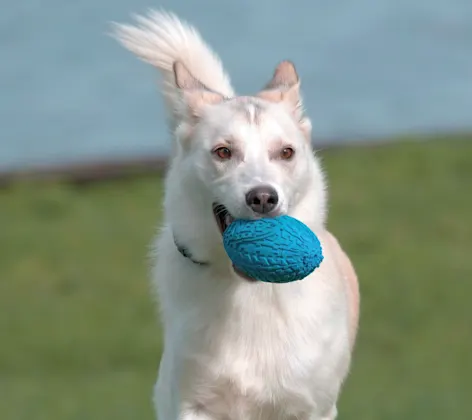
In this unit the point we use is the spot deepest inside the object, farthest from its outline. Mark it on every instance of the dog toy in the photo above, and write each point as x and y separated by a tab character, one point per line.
274	250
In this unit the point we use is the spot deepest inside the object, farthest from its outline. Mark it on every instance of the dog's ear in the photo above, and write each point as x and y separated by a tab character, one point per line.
284	87
195	94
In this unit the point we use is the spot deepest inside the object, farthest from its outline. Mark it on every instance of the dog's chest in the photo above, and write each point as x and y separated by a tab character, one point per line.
266	359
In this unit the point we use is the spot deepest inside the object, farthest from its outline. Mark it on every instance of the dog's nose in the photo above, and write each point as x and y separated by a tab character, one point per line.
262	199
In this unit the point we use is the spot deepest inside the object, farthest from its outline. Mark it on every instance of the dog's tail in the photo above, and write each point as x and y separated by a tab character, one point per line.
160	39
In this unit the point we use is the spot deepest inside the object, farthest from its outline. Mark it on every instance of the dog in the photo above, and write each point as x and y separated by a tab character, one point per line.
234	348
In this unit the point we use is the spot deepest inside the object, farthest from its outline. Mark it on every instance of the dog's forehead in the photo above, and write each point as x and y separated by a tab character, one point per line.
249	107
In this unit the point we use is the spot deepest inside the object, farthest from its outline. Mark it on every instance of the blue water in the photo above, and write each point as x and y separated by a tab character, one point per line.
369	69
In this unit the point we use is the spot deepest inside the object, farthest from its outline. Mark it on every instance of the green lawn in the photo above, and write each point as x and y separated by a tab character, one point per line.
78	333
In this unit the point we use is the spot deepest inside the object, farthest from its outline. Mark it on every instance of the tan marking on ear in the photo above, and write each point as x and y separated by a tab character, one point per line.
285	74
284	87
196	94
184	79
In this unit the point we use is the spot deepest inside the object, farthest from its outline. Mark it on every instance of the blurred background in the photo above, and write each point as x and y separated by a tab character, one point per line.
82	148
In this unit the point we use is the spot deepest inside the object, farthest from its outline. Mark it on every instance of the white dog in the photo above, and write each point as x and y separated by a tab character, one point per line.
235	348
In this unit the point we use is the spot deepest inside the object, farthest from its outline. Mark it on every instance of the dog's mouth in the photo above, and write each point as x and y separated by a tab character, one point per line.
223	220
222	216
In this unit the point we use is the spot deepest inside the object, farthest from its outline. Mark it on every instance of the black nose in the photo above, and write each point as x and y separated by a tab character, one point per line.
262	199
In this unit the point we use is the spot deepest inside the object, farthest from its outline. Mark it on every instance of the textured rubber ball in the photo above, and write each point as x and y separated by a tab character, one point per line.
274	250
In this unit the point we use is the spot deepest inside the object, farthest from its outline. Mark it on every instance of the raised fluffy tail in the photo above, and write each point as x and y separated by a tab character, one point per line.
160	39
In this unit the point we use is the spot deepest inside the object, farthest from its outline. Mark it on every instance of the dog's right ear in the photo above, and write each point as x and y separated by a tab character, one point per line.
284	87
194	94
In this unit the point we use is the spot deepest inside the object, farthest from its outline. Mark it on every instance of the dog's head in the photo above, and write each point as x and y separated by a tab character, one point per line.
246	157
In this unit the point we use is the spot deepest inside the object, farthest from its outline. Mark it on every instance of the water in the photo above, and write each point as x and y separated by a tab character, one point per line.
369	69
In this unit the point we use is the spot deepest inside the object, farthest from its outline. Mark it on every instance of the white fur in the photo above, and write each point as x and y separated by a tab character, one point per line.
235	349
161	38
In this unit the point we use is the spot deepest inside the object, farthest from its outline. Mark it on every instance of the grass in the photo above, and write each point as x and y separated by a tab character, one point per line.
78	331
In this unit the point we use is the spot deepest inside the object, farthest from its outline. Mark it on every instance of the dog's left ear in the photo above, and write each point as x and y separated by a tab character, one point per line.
285	88
195	95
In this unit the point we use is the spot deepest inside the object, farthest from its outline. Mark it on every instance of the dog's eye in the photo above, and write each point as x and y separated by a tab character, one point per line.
287	153
223	153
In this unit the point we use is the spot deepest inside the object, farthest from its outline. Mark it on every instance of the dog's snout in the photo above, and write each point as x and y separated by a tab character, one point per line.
262	199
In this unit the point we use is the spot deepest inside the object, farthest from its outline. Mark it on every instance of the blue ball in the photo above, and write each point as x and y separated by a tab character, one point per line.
274	250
